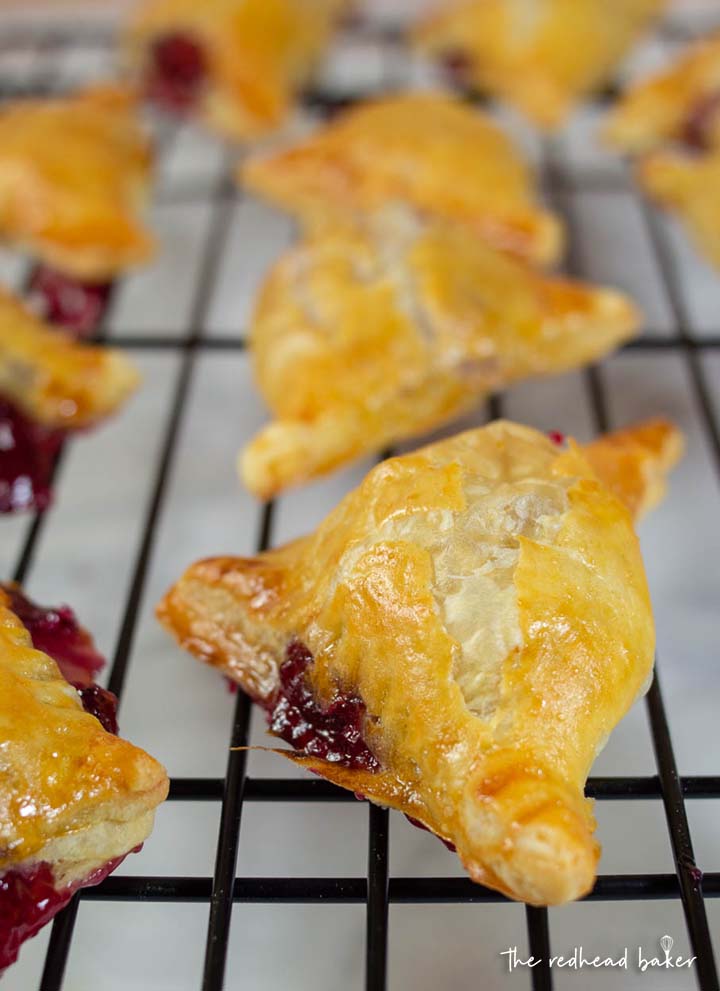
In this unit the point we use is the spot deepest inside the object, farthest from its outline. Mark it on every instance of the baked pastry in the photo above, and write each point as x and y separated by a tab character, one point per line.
72	176
428	150
456	640
52	378
690	186
363	336
236	64
541	55
49	384
74	798
680	105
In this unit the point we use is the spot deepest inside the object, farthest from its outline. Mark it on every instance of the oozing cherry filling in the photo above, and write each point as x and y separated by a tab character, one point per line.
56	632
556	437
101	703
333	733
28	449
701	122
75	305
27	455
29	900
176	71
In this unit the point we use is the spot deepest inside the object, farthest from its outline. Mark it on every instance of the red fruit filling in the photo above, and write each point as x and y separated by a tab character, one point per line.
457	67
701	122
421	825
176	72
556	437
57	632
334	733
28	898
70	303
27	455
28	449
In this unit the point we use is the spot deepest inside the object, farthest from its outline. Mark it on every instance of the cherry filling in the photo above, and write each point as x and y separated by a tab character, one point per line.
457	67
28	449
29	900
556	437
701	123
70	303
176	72
56	632
334	733
421	825
27	455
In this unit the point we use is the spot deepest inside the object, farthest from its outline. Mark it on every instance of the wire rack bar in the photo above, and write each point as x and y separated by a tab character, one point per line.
671	279
406	890
229	833
689	875
377	900
538	929
316	790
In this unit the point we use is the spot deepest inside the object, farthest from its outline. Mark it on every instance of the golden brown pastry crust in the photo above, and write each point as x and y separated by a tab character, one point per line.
485	598
364	336
689	185
71	794
543	55
73	173
635	463
428	150
666	107
258	52
54	379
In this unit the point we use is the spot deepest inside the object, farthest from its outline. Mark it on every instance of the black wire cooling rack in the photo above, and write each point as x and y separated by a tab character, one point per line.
377	890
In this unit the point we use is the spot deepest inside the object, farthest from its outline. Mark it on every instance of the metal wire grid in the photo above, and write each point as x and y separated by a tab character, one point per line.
377	890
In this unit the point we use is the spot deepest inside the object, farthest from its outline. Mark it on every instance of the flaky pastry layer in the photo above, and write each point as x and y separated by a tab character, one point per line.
485	599
71	794
366	335
542	55
427	150
73	175
53	378
679	104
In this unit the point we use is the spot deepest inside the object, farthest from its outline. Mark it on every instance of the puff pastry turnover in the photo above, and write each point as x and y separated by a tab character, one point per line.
53	379
365	336
456	640
237	64
74	798
541	55
72	176
428	150
689	185
679	105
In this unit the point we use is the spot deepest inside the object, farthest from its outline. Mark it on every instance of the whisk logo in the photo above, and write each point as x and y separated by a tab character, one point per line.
579	959
666	961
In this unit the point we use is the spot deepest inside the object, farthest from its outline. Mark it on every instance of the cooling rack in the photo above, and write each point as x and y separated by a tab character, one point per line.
120	530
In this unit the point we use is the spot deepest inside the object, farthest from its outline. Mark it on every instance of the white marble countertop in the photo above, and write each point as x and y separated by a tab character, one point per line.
182	713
